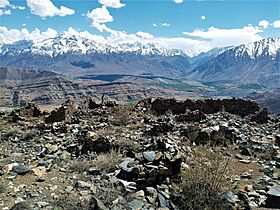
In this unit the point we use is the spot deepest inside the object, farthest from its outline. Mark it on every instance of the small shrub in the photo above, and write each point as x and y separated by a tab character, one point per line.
12	132
21	206
29	135
80	165
107	162
107	195
69	202
2	188
126	143
121	116
204	182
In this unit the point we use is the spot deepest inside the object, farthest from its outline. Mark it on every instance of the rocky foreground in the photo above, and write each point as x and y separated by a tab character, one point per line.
158	154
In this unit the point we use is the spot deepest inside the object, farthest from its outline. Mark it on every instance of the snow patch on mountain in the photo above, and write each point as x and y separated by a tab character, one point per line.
85	43
266	47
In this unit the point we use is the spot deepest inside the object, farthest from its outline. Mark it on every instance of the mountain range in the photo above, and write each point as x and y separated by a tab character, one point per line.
254	63
75	65
77	55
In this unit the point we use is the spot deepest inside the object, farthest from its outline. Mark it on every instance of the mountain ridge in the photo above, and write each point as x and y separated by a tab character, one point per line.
257	62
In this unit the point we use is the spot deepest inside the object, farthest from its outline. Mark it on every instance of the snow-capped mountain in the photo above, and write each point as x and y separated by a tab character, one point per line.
77	54
85	44
263	48
254	63
203	57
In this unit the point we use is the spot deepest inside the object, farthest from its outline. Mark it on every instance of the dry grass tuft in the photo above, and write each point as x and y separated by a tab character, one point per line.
121	116
69	202
107	162
204	181
29	135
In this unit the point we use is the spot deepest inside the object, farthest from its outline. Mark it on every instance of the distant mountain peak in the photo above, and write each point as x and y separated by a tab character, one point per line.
86	43
265	47
253	63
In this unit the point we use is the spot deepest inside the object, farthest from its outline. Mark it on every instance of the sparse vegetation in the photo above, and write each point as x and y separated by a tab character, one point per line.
108	195
12	132
121	116
107	162
126	143
69	202
29	135
204	181
2	188
80	165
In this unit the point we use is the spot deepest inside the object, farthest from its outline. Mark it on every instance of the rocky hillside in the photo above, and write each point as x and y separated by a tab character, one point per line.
269	99
159	154
20	86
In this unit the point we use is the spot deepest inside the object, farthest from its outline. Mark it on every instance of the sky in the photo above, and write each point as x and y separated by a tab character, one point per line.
186	24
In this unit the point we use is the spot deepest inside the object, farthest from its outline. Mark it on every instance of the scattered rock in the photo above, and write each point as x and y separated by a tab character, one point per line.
98	145
21	169
273	197
149	156
81	184
96	204
146	155
194	116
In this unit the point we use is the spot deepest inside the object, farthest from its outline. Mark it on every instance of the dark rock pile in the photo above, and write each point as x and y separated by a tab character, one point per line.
63	113
109	156
239	107
31	110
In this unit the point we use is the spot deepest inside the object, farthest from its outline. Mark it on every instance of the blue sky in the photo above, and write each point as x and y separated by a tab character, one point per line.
162	19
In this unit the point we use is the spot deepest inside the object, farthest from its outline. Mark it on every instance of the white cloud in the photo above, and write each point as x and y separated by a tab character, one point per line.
100	15
45	8
102	27
276	24
165	24
155	25
178	1
202	17
12	35
71	31
144	35
264	23
4	3
190	45
216	37
112	3
21	7
5	12
17	7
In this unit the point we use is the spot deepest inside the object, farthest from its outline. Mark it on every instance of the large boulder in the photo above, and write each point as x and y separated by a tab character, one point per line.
260	117
161	106
97	145
191	116
273	197
63	113
207	106
240	107
31	110
89	103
